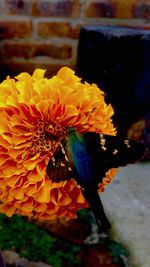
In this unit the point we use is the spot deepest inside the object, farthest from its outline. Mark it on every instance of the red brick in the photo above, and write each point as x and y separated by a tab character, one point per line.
32	49
124	9
103	8
14	68
56	8
133	9
15	29
18	7
141	9
59	29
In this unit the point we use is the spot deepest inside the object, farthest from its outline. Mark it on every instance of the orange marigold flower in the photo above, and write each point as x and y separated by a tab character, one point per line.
107	179
32	109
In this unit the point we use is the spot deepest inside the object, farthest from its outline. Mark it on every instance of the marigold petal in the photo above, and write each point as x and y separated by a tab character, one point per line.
27	206
106	181
55	195
4	127
67	75
101	188
13	180
9	210
3	184
80	198
31	189
40	207
65	200
43	195
24	76
3	159
17	193
31	163
10	168
38	74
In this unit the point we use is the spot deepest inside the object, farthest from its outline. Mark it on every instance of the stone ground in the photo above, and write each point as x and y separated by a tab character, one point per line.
127	205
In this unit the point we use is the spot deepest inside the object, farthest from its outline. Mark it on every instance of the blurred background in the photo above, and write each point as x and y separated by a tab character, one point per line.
106	42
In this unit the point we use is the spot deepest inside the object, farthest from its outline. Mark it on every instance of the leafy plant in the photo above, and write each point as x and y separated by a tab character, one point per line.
86	215
29	241
117	250
34	243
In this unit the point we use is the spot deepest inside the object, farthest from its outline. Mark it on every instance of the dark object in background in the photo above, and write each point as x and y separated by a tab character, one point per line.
117	59
2	260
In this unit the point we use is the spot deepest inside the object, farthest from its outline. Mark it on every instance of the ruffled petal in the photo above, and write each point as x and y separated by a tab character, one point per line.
36	113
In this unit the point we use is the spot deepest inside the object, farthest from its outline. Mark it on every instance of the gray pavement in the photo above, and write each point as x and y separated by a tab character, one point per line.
127	204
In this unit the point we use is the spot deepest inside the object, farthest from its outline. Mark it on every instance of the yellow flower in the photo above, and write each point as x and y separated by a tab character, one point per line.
32	109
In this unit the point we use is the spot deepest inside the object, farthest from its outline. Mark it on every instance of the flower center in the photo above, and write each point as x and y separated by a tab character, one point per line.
47	137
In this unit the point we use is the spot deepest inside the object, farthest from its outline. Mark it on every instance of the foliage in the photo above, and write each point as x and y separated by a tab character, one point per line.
29	241
35	244
117	250
86	215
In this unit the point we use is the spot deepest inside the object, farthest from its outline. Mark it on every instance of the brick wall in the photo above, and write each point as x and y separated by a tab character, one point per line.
45	33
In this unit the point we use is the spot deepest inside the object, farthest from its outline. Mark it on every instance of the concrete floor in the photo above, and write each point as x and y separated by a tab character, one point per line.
127	205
